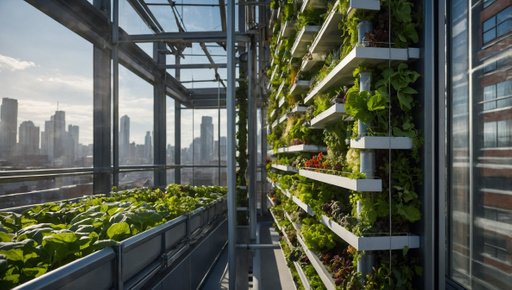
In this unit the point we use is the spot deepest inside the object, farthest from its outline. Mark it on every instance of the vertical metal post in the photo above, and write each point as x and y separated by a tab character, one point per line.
367	166
230	142
115	91
102	113
159	117
177	129
251	113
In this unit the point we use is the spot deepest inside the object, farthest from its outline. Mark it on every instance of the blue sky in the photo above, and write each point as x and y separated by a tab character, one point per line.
44	65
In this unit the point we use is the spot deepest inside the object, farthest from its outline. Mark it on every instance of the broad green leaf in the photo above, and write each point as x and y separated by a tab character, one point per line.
118	231
5	237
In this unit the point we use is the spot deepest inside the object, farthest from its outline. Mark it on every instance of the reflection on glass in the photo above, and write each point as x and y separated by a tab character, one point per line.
480	145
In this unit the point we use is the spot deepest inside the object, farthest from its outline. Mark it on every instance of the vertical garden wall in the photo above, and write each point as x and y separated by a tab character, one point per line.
345	144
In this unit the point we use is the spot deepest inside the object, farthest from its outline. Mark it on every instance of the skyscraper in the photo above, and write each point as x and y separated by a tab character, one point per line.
148	148
8	126
47	140
59	130
29	138
124	138
206	139
73	135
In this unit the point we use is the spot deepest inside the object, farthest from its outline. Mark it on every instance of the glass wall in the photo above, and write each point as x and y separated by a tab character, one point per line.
46	100
479	249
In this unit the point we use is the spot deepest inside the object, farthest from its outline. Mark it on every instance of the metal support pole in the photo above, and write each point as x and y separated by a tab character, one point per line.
159	117
251	113
102	113
177	129
115	91
230	143
367	166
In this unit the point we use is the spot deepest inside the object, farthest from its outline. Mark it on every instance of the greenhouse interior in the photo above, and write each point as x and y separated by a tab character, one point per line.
252	144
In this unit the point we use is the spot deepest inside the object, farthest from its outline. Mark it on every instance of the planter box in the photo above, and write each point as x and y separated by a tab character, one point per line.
363	5
285	168
342	73
364	185
304	36
281	102
299	86
299	148
303	279
303	205
299	109
372	243
328	37
324	275
329	116
375	142
287	28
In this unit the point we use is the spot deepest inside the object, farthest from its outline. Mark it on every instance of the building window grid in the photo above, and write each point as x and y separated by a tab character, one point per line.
497	25
497	96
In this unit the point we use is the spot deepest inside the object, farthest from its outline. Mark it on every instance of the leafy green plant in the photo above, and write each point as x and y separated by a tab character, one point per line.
50	235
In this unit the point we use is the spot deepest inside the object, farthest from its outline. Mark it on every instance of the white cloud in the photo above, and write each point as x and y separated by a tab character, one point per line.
70	81
14	64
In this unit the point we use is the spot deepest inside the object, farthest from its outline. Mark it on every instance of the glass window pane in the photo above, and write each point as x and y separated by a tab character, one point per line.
504	133
489	94
504	28
489	35
489	23
489	134
505	14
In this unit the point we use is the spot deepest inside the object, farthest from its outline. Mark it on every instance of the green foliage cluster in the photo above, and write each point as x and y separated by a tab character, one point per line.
241	133
50	235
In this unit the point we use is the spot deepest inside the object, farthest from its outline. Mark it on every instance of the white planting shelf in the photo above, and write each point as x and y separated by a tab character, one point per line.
299	109
363	5
281	102
315	4
303	205
376	142
371	243
280	89
322	272
286	29
329	116
304	36
299	86
300	148
342	73
327	38
363	185
285	168
302	276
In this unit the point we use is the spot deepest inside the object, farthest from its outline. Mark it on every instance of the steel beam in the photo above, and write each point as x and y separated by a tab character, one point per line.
196	66
94	26
230	143
101	115
159	119
177	129
184	37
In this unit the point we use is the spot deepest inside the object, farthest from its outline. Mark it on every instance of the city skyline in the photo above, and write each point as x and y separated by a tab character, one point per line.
40	81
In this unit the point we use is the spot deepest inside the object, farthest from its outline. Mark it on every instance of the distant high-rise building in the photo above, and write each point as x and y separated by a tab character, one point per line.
8	126
206	139
29	138
73	136
59	131
47	138
148	148
124	138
